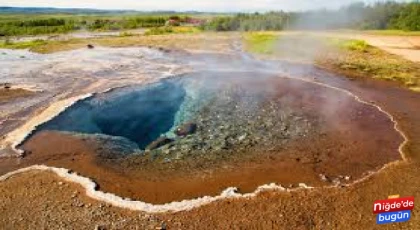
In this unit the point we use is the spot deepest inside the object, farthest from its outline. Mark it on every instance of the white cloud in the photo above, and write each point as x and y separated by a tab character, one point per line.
183	5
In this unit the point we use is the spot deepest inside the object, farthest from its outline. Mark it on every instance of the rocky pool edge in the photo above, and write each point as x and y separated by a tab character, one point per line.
176	206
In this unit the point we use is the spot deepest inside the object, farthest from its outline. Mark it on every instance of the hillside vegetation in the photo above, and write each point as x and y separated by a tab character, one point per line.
379	16
354	58
15	25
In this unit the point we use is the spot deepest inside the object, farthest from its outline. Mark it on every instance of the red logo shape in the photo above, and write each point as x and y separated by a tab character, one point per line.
393	205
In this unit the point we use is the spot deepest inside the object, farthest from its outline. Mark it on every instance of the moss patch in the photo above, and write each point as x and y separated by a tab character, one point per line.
21	45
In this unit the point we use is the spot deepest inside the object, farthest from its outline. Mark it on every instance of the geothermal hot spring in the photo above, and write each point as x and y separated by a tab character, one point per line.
241	125
200	133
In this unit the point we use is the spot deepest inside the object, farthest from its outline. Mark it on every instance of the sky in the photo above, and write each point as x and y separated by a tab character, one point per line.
185	5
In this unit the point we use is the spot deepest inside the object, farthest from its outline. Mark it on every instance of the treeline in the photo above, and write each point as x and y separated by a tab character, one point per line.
65	25
34	27
249	22
385	15
126	23
92	23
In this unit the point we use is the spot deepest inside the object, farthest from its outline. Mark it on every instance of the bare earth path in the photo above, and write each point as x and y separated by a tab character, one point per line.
405	46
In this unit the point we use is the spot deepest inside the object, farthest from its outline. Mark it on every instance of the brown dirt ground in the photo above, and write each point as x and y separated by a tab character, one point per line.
407	47
54	206
9	94
357	140
324	208
218	42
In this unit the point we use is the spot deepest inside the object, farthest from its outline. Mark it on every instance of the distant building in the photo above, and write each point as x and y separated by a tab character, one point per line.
195	21
172	22
185	22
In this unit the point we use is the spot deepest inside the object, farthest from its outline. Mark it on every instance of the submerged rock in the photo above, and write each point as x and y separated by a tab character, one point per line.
186	129
162	49
324	178
161	141
6	85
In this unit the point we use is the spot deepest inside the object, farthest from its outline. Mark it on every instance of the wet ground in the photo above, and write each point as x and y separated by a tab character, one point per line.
320	136
10	94
76	35
57	204
62	75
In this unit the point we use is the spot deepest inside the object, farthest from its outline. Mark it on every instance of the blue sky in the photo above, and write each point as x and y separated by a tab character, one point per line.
184	5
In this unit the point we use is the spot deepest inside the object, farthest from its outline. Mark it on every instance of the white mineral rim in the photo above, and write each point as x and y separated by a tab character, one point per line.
17	136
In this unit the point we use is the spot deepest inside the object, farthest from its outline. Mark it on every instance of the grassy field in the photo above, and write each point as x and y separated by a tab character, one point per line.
353	58
172	30
193	40
48	46
375	63
38	24
22	45
261	42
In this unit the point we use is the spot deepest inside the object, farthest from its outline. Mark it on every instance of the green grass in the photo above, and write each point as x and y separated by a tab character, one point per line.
352	45
37	24
193	41
359	59
261	42
22	45
186	30
126	34
172	30
159	31
33	24
354	58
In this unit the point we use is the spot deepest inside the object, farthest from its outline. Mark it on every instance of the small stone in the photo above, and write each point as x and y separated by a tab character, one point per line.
162	226
74	195
178	156
161	141
99	227
336	181
7	85
90	46
186	129
303	185
241	138
323	177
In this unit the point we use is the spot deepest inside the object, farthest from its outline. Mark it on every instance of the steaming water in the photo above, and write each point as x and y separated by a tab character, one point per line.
142	114
70	73
66	74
